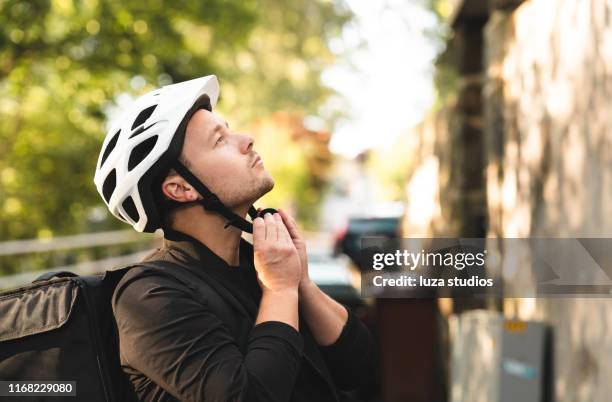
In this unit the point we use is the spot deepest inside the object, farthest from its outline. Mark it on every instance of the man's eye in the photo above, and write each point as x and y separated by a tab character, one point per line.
220	139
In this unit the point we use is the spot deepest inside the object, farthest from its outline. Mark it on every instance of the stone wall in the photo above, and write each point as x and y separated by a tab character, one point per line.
548	108
549	122
543	143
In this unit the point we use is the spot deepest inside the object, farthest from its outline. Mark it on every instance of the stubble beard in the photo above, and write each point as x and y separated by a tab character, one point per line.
250	196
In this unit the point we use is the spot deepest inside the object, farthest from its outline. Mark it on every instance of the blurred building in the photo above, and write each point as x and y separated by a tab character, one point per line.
522	147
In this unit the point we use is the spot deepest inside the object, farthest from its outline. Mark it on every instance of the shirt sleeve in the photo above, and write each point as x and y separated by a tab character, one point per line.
177	342
351	358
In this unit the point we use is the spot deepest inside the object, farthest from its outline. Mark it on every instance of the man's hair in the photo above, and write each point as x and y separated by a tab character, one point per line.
166	206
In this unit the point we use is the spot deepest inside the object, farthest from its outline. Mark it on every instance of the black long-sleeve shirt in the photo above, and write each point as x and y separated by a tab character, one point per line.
178	342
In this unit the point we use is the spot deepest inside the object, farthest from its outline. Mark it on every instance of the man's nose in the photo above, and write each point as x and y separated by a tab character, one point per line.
245	143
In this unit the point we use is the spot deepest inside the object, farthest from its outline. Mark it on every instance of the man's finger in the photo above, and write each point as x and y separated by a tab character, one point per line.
283	233
290	224
271	227
259	231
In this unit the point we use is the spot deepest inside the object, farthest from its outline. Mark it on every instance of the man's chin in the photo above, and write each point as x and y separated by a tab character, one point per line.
266	186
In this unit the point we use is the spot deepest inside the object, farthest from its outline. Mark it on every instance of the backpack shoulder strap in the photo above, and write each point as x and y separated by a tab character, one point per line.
186	278
55	274
206	293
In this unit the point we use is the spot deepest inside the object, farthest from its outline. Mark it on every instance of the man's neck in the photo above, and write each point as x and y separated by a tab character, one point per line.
208	229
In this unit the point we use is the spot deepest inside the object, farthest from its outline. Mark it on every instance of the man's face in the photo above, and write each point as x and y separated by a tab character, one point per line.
224	160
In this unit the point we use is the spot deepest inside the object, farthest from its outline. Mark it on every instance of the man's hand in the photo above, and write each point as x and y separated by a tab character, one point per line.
276	259
324	315
300	246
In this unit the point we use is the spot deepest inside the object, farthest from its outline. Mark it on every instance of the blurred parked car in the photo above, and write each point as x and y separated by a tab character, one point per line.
348	240
333	276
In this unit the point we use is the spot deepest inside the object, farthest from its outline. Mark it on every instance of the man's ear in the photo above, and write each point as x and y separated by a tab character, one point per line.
178	189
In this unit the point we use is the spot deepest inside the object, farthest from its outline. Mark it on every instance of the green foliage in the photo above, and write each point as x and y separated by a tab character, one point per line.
63	62
445	76
300	171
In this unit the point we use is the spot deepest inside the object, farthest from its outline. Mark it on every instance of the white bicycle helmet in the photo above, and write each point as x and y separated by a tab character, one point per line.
144	143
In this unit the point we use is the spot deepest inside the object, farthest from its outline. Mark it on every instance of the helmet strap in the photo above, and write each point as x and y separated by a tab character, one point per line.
211	202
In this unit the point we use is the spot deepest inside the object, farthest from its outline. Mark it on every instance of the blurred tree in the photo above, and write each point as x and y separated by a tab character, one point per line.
63	64
445	76
300	170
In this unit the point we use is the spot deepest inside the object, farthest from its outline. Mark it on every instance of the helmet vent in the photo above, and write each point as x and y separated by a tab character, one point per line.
109	147
130	209
143	116
141	130
141	151
109	185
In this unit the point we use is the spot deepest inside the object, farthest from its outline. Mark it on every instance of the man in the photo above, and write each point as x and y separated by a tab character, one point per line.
224	320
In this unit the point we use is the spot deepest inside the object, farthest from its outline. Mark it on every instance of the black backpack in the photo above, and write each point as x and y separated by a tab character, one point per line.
61	328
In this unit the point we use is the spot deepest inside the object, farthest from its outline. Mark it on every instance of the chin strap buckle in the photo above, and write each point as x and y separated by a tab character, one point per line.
264	211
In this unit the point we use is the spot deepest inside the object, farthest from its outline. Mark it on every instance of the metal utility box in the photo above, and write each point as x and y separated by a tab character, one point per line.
524	365
494	359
